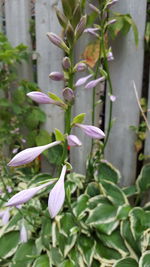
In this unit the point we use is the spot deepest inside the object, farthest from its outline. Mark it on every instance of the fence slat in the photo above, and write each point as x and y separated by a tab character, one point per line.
49	59
17	14
1	16
147	142
127	66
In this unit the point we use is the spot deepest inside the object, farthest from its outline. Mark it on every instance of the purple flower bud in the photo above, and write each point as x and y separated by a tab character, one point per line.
92	131
23	140
94	8
15	150
111	21
83	80
110	56
73	140
2	213
112	3
9	189
80	27
80	67
23	234
25	195
40	98
6	216
94	83
56	40
56	76
66	63
112	98
92	31
57	195
68	94
29	154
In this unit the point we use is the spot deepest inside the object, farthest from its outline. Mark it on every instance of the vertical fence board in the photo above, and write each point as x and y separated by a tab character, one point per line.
83	104
127	66
147	142
49	59
1	15
17	28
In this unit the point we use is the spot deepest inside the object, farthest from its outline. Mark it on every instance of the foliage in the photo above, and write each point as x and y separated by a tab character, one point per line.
99	225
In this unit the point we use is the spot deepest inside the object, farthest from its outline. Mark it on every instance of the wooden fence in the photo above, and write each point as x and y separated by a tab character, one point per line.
127	66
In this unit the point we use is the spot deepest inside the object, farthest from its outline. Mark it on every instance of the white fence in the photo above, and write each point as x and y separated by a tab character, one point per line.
127	66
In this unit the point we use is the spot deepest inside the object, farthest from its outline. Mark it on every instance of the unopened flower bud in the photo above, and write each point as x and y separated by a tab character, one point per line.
80	67
80	27
73	140
112	3
83	80
56	40
68	94
110	56
56	76
91	131
111	21
92	31
94	8
94	83
66	63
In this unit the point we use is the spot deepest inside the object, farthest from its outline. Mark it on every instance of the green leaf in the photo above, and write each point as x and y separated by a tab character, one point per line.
8	244
127	262
79	118
43	138
55	154
129	240
35	117
114	241
56	256
107	228
106	171
56	98
46	230
137	220
143	181
66	223
93	189
113	193
86	247
130	190
80	207
94	201
145	259
103	213
106	255
24	253
67	263
59	135
66	243
42	261
123	212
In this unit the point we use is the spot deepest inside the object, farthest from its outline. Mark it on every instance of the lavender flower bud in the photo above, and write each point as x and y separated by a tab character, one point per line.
29	154
56	40
56	76
80	67
111	21
92	31
83	80
68	94
110	56
5	217
112	98
94	83
57	195
23	234
94	8
66	63
42	98
92	131
80	27
73	140
112	3
25	195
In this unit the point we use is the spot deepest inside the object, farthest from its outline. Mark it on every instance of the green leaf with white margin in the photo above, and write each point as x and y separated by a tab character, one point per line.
103	213
80	207
145	240
123	212
41	261
145	259
128	238
94	201
66	223
77	178
59	135
86	247
107	228
74	256
67	263
8	244
66	243
106	255
143	181
113	193
115	241
78	119
137	222
127	262
106	171
93	189
25	254
46	229
130	190
56	256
